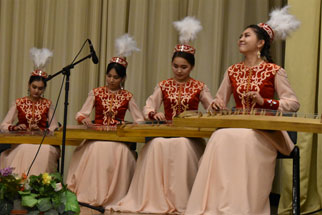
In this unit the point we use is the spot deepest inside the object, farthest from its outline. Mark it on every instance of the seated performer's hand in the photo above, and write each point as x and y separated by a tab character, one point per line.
255	96
20	127
112	128
104	128
159	116
87	122
218	105
34	127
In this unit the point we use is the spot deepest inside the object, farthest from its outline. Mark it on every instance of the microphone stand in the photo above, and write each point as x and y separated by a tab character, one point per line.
66	71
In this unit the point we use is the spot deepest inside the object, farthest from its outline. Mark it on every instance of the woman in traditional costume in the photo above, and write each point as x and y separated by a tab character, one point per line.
237	169
32	113
166	167
100	172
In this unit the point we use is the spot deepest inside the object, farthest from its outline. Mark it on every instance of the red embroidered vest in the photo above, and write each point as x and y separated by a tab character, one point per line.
30	112
110	107
179	97
259	78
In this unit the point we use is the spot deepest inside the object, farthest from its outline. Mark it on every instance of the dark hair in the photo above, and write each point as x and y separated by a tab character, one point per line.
120	70
187	56
38	78
263	35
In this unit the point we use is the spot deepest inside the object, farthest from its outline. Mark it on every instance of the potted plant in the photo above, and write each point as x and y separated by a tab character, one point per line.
42	194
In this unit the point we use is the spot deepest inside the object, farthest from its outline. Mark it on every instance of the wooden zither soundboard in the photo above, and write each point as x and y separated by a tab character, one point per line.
161	130
254	120
74	136
124	133
188	124
32	138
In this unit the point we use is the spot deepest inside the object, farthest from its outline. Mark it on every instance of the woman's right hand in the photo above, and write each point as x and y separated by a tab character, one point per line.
87	122
159	116
20	127
218	105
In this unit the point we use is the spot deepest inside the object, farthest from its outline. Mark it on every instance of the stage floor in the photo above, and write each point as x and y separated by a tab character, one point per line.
87	211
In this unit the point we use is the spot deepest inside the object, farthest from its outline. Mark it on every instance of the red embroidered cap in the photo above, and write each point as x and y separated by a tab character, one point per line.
39	72
184	48
268	30
119	60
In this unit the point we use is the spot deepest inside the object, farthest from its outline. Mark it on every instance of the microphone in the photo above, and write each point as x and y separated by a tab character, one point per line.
94	56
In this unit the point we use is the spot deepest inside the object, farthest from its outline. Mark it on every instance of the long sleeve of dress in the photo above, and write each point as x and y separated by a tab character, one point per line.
136	113
205	97
287	97
224	92
86	108
54	123
10	118
153	103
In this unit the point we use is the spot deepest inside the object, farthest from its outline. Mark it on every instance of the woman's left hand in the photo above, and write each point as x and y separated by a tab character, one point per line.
34	127
255	96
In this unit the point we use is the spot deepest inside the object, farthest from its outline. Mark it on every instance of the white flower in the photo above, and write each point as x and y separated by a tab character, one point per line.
27	186
58	187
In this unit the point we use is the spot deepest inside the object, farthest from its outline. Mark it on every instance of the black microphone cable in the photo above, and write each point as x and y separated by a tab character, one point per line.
46	130
81	49
57	101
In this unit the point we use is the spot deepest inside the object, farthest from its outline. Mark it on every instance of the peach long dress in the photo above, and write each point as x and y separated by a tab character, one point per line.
237	169
166	167
100	172
20	156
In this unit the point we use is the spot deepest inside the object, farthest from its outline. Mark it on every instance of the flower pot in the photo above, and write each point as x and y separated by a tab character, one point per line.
19	212
18	208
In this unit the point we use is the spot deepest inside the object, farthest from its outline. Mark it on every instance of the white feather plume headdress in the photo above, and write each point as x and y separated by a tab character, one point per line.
282	23
40	58
188	29
124	45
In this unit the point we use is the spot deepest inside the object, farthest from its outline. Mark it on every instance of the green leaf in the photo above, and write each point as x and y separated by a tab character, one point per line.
57	177
71	202
53	184
63	197
61	208
41	190
44	204
29	200
33	212
51	212
24	192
